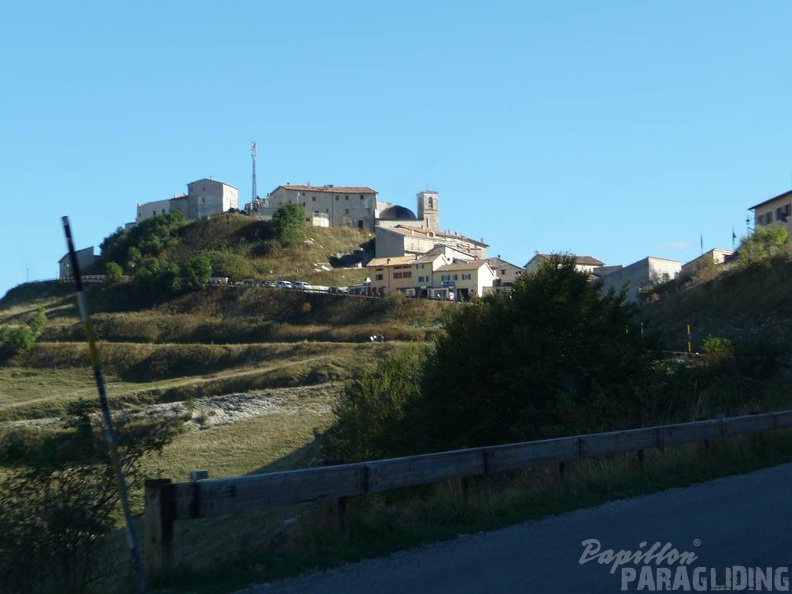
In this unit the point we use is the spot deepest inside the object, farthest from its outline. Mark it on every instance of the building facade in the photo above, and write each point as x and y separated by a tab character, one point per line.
402	240
714	257
204	197
585	264
640	275
342	206
85	258
776	211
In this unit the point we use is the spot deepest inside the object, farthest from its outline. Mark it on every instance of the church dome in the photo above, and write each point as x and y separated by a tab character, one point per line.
397	213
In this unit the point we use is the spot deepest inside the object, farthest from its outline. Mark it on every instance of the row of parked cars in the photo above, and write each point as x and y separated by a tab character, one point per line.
299	285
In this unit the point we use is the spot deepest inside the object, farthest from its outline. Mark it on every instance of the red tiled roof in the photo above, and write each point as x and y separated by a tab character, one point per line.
329	189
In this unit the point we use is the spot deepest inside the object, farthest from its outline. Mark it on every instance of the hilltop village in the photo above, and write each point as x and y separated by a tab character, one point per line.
413	254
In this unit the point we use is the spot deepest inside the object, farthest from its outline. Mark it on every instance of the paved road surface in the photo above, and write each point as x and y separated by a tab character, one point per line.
737	521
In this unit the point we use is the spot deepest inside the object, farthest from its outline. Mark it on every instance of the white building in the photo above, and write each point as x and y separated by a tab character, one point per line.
340	206
642	274
204	197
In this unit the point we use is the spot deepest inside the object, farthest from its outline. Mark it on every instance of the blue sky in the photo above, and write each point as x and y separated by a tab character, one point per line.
616	129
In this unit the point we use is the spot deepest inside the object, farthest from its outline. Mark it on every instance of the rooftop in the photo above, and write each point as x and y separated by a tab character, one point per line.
784	195
427	232
328	189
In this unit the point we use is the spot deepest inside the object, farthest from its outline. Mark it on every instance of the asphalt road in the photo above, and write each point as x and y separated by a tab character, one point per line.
739	521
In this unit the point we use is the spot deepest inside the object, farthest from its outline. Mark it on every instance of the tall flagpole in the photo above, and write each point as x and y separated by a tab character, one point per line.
108	421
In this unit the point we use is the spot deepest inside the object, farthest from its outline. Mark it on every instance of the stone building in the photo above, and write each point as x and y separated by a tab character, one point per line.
340	206
204	197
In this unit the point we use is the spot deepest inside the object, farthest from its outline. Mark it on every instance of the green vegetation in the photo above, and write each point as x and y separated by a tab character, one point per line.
762	245
15	340
551	358
59	498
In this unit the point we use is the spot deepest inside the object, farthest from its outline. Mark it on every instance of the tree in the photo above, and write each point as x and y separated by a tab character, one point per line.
552	357
15	340
157	277
113	273
374	413
195	272
58	498
288	223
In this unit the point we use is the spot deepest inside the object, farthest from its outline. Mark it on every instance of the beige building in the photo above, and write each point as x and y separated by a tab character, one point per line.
401	240
204	197
341	206
506	274
585	264
714	257
389	275
774	212
465	280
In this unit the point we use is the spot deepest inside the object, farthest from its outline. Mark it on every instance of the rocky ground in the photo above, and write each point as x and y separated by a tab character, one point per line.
230	408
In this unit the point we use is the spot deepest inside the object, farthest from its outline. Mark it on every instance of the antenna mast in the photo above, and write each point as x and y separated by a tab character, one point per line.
253	158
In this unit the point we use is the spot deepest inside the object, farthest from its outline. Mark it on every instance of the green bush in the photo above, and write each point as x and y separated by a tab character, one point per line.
15	340
550	358
288	223
59	498
113	273
374	414
196	272
764	243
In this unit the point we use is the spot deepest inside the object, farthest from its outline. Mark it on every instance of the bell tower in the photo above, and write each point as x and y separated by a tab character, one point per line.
428	209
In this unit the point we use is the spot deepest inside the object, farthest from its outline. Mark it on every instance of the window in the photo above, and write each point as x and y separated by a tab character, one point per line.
431	202
466	277
346	197
313	198
456	277
361	197
303	204
377	277
336	198
346	211
445	277
397	275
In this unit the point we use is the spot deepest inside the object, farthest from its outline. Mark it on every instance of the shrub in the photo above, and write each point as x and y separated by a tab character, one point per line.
714	348
374	413
764	243
196	272
288	223
553	357
58	498
113	273
15	340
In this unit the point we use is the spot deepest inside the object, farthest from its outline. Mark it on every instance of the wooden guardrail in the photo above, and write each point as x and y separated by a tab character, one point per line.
167	502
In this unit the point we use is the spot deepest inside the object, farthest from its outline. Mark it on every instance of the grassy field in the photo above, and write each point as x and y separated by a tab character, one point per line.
293	351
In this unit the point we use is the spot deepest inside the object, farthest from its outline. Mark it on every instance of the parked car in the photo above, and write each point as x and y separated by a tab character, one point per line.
301	285
282	284
268	283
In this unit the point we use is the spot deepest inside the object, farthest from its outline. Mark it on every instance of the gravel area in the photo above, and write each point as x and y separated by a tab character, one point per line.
227	409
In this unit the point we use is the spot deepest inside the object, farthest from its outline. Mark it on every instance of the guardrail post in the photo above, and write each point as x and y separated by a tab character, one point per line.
562	470
639	460
158	526
334	511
